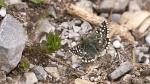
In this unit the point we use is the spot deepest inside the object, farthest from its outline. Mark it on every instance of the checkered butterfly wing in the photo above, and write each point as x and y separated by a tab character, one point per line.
94	44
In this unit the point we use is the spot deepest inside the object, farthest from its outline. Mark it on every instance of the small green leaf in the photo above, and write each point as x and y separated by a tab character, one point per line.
37	1
53	42
2	3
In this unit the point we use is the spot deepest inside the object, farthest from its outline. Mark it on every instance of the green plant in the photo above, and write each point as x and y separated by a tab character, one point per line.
37	1
53	42
24	64
2	3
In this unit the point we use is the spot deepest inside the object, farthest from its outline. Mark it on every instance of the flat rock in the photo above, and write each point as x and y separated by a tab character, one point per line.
40	72
29	78
12	42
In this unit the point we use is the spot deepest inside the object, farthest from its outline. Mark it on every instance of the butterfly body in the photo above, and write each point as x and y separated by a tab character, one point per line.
93	44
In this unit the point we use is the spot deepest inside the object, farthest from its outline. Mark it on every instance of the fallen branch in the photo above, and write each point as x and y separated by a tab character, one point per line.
96	20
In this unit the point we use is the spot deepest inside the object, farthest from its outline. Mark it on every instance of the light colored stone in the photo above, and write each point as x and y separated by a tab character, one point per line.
30	78
117	44
104	5
12	42
127	78
11	2
60	53
85	27
86	4
81	81
147	39
115	17
3	12
147	79
133	6
73	34
53	71
76	28
52	11
73	44
120	5
43	26
40	72
64	25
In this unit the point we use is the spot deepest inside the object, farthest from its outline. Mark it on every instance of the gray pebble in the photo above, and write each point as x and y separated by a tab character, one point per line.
121	70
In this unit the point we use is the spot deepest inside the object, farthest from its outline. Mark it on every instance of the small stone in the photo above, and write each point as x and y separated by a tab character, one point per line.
3	12
147	39
127	78
115	17
143	58
64	25
9	80
86	4
11	2
85	27
120	5
75	65
76	29
43	26
73	44
2	77
31	66
52	11
121	70
133	6
40	72
92	78
60	53
104	5
63	42
73	34
96	79
30	78
53	71
81	81
117	44
111	50
147	79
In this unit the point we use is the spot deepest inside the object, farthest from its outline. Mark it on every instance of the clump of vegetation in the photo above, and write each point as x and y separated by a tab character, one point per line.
2	3
53	42
24	64
37	1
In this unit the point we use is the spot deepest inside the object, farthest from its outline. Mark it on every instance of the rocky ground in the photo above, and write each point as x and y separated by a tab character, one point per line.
26	24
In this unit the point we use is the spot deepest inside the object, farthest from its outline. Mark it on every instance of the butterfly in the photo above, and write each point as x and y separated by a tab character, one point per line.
89	48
